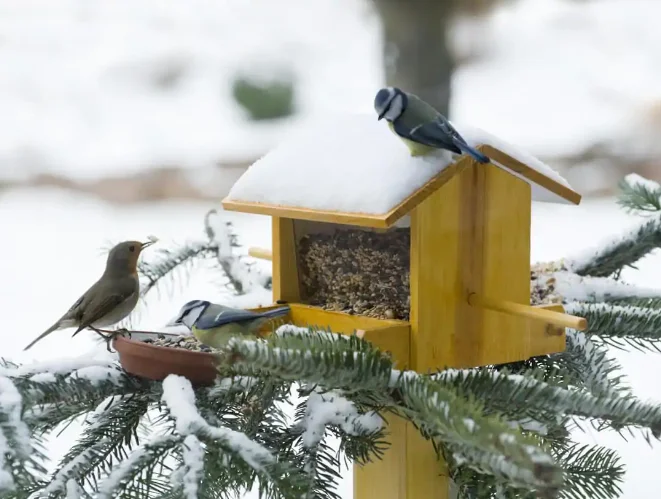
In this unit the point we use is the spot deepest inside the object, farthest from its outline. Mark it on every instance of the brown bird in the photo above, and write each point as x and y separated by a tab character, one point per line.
110	299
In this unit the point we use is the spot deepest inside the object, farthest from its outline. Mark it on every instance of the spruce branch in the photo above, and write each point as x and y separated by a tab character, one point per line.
623	250
174	263
590	472
618	409
243	452
621	326
639	194
480	439
485	443
574	287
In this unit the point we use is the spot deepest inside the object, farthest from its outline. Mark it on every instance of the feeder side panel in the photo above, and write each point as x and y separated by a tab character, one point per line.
503	236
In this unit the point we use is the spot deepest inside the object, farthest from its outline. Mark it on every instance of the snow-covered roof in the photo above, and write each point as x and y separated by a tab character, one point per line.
354	164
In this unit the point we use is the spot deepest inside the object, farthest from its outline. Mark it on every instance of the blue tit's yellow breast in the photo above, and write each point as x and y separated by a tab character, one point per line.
415	148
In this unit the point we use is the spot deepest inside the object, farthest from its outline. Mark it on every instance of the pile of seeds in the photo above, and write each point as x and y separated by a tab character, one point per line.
357	272
187	342
367	273
542	284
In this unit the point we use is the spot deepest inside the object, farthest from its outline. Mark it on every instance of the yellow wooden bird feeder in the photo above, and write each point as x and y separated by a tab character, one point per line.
469	261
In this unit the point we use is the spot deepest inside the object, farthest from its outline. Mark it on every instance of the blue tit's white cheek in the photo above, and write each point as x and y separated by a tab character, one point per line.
396	109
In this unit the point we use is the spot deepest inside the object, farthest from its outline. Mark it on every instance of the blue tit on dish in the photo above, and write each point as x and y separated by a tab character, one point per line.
214	325
421	127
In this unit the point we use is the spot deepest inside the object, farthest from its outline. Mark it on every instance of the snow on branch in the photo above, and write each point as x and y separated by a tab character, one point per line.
179	397
71	470
127	469
640	194
621	325
331	408
615	253
14	433
485	443
585	288
595	367
46	370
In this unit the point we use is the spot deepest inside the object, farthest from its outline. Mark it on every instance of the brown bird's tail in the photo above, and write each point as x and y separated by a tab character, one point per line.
48	331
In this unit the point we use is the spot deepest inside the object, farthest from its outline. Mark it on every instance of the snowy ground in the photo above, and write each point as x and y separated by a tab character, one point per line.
79	94
52	253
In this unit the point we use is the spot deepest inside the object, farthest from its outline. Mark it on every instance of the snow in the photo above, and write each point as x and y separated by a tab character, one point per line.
340	162
64	365
124	468
633	179
10	407
580	259
73	490
98	374
326	408
476	136
193	457
82	96
59	482
575	287
179	397
557	230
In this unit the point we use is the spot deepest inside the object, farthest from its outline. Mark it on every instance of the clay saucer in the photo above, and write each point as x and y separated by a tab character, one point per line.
157	362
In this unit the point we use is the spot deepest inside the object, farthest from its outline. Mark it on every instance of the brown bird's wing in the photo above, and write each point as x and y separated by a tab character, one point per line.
104	297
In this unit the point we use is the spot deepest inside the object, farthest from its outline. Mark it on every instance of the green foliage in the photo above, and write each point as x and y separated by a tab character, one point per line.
640	196
505	431
264	100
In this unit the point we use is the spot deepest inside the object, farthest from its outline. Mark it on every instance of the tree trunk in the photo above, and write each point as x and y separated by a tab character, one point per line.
416	54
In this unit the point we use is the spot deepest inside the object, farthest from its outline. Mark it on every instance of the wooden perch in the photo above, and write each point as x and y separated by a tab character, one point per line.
261	253
535	313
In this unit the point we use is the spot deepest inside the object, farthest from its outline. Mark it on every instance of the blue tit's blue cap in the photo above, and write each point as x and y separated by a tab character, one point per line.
383	99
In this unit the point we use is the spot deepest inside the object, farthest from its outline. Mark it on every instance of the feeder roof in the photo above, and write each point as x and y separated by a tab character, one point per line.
352	169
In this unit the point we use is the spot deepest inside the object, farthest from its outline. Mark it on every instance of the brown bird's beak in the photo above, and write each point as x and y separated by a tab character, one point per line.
151	241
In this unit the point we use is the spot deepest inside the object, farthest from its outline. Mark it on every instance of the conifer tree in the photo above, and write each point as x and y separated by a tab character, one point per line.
504	430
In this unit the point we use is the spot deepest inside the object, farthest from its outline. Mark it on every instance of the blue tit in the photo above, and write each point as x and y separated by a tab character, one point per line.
214	325
421	127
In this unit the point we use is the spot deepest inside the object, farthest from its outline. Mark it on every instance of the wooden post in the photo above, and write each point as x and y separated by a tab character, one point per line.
285	273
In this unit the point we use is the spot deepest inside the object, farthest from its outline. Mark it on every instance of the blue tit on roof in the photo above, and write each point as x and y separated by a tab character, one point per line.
421	127
214	325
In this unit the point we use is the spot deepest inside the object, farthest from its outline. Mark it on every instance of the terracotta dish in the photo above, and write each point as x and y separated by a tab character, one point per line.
156	362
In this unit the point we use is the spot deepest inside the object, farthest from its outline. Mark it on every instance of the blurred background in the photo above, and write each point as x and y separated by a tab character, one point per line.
132	101
133	117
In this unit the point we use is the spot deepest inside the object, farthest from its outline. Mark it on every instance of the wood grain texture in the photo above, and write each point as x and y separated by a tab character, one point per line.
531	174
540	314
544	338
501	245
285	272
340	322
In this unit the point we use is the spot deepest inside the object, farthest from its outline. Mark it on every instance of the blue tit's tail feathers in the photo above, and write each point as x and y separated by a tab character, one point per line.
276	312
466	149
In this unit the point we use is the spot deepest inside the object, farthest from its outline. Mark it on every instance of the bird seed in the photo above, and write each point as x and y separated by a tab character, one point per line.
368	273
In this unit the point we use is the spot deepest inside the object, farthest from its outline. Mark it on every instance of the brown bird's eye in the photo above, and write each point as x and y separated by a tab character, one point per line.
131	248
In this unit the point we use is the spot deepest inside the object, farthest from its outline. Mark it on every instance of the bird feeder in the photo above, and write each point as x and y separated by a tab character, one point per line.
465	232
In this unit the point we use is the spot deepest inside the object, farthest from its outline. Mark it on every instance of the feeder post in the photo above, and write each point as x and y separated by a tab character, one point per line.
285	273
